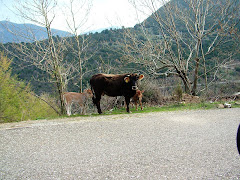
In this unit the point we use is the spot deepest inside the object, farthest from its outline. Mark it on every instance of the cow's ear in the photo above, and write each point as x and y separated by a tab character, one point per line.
141	76
127	79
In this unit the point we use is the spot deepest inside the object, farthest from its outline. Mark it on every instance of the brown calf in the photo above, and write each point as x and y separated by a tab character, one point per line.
80	98
138	97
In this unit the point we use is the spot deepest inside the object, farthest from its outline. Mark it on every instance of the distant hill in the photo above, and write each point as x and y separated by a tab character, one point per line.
102	29
13	32
107	55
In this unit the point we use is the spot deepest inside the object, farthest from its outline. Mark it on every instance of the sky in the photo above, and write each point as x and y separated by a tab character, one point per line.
103	14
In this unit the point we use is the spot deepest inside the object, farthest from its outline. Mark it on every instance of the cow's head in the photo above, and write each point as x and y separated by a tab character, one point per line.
88	93
132	79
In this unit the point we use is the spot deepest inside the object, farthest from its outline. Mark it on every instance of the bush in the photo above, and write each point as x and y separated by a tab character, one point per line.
17	102
178	93
152	94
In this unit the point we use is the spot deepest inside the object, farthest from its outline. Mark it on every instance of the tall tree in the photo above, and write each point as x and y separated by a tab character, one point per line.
181	36
44	55
76	13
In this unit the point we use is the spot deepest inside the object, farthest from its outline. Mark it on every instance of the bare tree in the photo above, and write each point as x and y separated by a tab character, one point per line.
76	13
44	55
179	38
51	55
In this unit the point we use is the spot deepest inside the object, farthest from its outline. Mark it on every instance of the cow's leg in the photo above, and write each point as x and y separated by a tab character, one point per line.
96	101
127	100
136	104
81	109
98	106
69	109
140	102
84	110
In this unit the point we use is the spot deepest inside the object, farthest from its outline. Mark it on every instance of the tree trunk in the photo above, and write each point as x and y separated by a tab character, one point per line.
195	77
56	68
186	83
185	80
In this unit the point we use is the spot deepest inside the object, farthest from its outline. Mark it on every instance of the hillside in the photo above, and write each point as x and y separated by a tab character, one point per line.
13	32
106	53
102	51
196	40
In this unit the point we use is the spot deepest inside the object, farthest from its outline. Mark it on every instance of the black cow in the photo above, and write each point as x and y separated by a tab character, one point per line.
114	85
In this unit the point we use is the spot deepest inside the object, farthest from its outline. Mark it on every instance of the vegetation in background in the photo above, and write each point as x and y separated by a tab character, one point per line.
166	108
178	92
193	42
17	102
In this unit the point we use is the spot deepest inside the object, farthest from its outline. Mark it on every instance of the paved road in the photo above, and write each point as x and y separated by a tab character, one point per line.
172	145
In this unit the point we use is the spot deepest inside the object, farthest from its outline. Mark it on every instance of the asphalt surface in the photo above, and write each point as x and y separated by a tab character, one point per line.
171	145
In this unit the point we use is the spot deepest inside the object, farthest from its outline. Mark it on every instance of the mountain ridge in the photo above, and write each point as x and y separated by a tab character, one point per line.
13	32
109	56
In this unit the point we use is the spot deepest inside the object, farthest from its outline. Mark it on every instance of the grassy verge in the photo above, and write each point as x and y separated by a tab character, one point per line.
149	109
173	107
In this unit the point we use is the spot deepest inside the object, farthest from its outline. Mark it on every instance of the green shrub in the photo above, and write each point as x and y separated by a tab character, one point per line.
152	94
17	102
178	93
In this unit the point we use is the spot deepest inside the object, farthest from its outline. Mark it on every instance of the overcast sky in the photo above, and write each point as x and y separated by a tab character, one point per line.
103	14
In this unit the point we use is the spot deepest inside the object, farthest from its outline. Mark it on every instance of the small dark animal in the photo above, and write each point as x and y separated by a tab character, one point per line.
138	97
114	85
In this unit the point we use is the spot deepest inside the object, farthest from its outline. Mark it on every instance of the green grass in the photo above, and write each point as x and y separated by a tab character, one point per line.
173	107
149	109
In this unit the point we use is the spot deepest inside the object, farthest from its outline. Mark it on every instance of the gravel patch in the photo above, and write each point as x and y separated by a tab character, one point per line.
165	145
